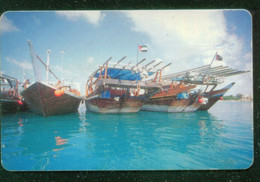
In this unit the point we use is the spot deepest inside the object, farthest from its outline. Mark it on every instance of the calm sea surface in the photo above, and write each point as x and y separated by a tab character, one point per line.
221	138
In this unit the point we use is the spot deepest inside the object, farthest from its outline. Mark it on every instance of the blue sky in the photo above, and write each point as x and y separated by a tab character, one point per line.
185	38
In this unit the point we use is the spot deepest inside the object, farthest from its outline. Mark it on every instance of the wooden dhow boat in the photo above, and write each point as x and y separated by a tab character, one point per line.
179	94
213	96
120	90
176	97
46	98
11	101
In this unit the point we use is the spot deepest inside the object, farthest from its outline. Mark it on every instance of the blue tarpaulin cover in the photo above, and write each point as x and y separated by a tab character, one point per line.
122	74
105	94
183	95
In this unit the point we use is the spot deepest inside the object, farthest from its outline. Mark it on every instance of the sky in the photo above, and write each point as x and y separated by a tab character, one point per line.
185	38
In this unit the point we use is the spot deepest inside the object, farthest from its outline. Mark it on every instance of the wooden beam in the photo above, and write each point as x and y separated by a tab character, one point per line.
118	62
160	78
106	70
100	74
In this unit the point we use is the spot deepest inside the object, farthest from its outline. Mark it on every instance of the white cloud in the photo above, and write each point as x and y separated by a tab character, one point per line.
7	25
191	38
90	60
23	64
93	17
182	34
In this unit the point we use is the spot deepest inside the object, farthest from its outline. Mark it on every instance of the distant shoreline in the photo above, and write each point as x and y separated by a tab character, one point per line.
237	100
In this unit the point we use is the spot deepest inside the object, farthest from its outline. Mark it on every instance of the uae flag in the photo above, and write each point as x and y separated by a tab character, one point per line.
143	48
219	58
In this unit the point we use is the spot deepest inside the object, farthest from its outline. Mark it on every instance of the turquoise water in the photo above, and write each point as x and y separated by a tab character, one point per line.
221	138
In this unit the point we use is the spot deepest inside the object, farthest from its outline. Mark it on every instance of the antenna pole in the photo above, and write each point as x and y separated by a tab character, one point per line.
213	59
137	53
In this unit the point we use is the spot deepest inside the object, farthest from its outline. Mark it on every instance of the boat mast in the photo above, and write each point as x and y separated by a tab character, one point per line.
62	53
47	66
23	74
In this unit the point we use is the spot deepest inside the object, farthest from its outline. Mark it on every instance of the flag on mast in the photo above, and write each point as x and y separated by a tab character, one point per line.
142	48
219	58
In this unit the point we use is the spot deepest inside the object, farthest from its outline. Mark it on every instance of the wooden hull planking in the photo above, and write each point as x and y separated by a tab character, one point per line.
9	106
121	97
171	104
41	100
211	102
115	104
166	101
213	97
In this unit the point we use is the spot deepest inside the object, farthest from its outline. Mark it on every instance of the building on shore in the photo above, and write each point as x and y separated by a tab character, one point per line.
247	97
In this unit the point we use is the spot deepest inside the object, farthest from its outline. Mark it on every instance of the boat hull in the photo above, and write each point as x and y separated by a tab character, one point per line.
171	104
214	97
9	106
120	96
115	104
42	100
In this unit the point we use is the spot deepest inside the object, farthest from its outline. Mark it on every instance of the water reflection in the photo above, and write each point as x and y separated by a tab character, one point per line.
20	127
82	108
133	138
60	141
39	137
59	144
144	140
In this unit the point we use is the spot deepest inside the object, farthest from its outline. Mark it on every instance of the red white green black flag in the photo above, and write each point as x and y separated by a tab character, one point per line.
219	58
143	48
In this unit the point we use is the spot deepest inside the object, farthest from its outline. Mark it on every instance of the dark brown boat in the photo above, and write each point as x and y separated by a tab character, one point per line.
214	96
48	99
10	100
118	90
